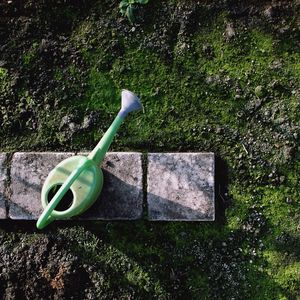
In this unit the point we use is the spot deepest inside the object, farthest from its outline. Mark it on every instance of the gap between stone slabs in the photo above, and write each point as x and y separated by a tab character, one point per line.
179	186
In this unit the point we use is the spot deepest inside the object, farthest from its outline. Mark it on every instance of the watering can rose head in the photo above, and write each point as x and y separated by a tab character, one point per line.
130	102
81	176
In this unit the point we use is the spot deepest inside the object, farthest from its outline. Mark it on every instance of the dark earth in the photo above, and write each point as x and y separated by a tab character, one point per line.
219	76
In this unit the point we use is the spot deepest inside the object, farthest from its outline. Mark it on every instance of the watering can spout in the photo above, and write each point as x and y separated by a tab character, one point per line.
130	102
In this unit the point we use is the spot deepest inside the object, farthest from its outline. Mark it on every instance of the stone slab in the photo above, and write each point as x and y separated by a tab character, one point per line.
28	173
121	197
180	187
3	180
122	194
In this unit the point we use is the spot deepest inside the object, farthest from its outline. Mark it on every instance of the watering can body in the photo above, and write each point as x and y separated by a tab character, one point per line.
79	175
87	186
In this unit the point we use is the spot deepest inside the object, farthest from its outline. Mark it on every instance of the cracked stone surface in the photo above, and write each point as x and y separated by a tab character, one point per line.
122	194
3	179
121	197
28	173
181	186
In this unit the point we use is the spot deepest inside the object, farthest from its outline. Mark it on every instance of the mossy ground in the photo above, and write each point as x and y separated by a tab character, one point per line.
221	77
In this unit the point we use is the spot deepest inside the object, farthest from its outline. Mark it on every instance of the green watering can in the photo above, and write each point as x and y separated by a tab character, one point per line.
81	176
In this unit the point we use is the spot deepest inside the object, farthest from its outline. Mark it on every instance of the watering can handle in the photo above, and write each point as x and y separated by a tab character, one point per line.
45	217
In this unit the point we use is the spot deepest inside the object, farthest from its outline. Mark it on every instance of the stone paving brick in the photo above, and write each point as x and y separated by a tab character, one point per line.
121	197
28	173
122	194
3	180
180	186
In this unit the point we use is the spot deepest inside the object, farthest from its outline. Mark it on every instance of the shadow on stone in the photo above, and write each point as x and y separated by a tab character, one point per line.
118	201
29	185
13	206
162	209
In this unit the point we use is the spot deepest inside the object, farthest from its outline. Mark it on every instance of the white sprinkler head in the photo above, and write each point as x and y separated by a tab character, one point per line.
130	102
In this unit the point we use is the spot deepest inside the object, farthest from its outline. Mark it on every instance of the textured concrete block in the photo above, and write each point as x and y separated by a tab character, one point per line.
3	179
28	173
122	194
121	197
181	186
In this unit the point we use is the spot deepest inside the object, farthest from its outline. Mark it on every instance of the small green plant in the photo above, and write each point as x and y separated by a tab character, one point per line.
31	54
3	73
127	8
4	80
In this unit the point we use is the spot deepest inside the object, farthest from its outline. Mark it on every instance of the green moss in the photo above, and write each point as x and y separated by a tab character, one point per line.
101	92
284	273
289	278
198	286
278	207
